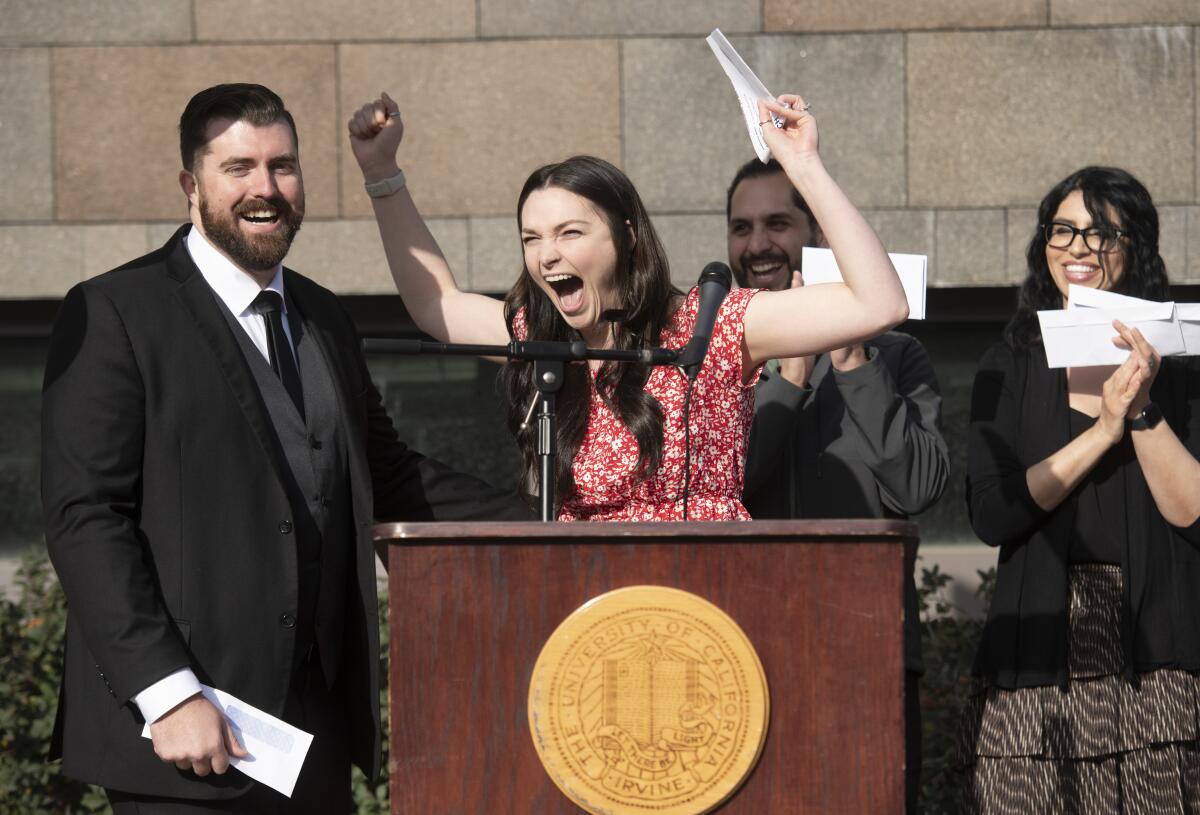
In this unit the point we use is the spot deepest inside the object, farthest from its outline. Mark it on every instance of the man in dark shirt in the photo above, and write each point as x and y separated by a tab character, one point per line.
854	433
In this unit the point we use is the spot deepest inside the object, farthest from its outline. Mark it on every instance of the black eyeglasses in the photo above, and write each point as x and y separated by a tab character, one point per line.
1098	239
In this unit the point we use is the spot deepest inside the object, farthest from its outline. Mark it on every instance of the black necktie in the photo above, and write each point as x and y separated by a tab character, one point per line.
270	305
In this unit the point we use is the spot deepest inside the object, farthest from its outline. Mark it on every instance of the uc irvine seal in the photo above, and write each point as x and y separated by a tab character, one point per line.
648	699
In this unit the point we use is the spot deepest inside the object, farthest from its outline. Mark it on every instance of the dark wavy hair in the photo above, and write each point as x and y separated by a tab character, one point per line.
756	169
256	104
643	283
1115	200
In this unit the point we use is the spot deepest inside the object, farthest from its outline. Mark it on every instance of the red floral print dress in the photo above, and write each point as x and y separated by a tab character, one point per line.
606	484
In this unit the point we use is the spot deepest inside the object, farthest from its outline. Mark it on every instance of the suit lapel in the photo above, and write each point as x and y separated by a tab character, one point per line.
328	344
201	304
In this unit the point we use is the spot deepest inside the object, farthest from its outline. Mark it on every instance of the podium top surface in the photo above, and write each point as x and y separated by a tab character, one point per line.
842	530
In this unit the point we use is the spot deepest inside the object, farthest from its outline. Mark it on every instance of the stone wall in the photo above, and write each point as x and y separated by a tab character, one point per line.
946	120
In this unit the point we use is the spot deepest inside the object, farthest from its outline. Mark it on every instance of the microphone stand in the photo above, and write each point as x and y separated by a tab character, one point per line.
549	359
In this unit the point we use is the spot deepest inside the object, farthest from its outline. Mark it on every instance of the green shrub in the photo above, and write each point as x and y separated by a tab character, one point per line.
32	626
368	799
948	643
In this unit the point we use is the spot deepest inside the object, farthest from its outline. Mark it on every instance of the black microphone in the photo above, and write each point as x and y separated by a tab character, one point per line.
714	284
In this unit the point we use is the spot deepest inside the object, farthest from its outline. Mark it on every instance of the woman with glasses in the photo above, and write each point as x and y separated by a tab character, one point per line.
1087	480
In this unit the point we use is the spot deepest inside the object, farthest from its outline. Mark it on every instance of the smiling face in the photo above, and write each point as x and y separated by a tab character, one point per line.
570	254
1079	264
246	192
767	232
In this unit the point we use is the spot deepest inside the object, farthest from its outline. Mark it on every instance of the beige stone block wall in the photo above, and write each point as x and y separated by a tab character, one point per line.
1191	273
994	118
691	243
1123	12
1173	241
554	18
347	255
859	15
495	254
116	112
27	22
43	261
27	193
1020	226
944	120
478	117
259	20
682	154
107	246
909	231
968	248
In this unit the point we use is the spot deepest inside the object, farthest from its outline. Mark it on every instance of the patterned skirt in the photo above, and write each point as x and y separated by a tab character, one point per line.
1104	745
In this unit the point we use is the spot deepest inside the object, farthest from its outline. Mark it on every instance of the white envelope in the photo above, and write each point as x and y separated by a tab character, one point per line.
1085	297
1188	315
746	85
1080	337
820	266
276	748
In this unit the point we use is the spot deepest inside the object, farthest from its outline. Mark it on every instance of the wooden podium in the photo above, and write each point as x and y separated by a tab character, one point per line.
471	606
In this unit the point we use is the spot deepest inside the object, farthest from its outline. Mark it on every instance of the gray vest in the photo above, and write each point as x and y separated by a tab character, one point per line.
318	487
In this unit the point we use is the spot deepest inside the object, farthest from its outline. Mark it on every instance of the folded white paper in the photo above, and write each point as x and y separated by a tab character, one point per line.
1172	328
1080	337
747	86
820	266
1188	315
276	748
1084	297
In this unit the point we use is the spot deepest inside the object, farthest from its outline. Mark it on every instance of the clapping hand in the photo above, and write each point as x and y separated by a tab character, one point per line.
1127	391
1139	346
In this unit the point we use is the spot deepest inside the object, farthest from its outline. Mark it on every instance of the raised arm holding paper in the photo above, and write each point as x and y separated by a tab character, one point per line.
593	269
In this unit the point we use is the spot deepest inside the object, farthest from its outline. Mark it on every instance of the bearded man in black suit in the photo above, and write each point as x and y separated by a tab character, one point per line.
214	453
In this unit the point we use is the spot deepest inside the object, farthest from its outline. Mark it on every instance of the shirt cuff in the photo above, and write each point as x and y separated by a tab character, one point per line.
775	387
166	693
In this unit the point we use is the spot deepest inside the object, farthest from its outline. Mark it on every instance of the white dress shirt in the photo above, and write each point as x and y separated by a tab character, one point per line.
237	291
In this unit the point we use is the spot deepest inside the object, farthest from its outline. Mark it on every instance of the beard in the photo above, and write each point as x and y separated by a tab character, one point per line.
777	281
252	252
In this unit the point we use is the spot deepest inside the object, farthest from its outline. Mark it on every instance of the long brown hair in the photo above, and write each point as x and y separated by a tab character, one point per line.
643	283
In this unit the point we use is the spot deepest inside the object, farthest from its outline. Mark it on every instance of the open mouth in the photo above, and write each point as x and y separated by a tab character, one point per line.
260	216
763	270
569	290
259	212
1080	272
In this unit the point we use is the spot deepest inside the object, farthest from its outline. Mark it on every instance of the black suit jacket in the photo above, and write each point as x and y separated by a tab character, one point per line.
168	522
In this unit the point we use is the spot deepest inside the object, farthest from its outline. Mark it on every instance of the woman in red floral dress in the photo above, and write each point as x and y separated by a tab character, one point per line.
595	270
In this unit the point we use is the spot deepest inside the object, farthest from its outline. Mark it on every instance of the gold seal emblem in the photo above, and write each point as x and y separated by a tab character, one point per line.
648	699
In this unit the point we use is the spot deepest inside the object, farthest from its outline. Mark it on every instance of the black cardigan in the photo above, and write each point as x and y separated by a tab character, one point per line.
1019	416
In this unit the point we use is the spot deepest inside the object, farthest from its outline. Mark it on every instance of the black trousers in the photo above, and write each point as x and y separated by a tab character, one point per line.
323	787
912	740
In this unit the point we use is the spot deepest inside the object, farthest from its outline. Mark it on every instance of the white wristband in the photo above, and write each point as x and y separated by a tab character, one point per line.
386	187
